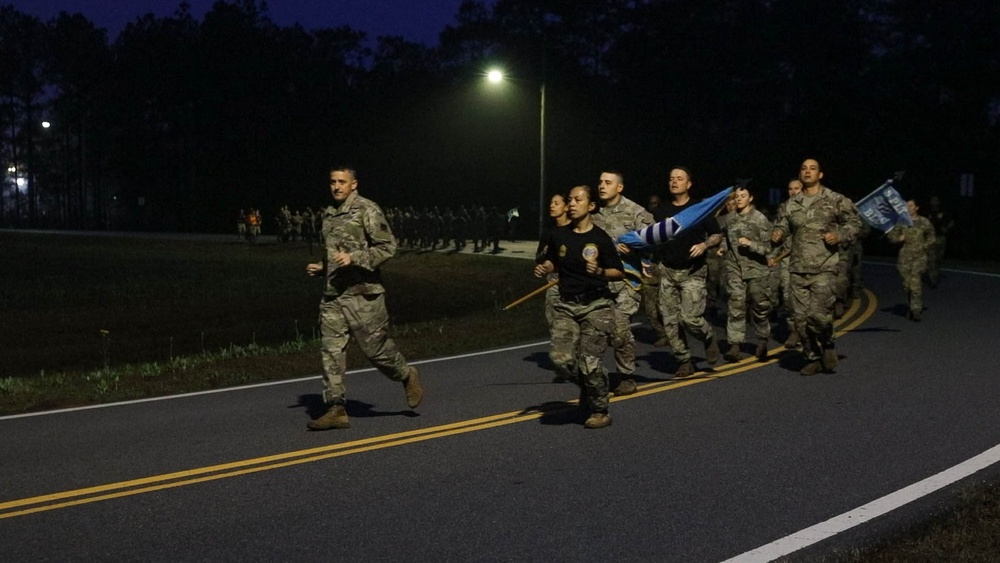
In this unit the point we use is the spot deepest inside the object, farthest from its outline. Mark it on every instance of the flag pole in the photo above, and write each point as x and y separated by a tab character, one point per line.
532	294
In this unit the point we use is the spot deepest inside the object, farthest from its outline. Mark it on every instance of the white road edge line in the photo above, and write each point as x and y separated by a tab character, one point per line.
824	530
256	385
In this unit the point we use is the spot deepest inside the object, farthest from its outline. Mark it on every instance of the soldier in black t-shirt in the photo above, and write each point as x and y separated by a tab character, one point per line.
682	269
583	318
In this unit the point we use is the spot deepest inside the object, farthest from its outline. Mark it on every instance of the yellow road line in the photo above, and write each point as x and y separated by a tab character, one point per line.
31	505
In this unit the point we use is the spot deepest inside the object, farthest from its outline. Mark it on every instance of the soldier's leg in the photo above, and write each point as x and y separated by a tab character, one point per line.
799	285
369	324
670	310
650	295
736	317
819	317
596	329
334	335
565	342
759	294
693	295
626	305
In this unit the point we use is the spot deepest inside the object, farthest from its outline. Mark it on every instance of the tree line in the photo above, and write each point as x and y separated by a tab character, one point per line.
177	122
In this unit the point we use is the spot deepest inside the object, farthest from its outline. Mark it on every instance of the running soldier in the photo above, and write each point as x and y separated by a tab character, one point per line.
616	216
745	247
585	259
918	243
818	220
358	243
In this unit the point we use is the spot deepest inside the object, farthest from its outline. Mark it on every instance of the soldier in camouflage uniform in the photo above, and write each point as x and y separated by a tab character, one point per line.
616	216
818	220
585	259
918	243
715	277
780	259
943	223
649	293
745	247
682	269
359	241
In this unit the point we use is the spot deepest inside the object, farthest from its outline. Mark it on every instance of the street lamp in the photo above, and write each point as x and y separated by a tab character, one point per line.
495	76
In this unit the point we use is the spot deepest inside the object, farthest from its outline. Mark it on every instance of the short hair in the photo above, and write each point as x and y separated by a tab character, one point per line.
685	170
616	172
344	168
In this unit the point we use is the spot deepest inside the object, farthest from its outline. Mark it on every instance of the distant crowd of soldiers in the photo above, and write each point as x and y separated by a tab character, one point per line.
432	227
428	228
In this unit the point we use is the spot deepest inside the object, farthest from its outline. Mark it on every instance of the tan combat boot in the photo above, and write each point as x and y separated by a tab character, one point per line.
761	352
335	417
733	354
598	420
411	385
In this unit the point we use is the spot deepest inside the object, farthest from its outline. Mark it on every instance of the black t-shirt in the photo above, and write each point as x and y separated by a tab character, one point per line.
675	254
567	248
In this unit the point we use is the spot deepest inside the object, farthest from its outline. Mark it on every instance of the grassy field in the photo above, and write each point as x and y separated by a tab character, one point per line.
88	320
104	319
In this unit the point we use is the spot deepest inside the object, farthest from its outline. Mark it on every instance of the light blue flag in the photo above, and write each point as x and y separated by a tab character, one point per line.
661	232
884	208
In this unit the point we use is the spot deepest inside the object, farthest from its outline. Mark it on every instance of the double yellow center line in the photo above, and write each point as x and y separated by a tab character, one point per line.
21	507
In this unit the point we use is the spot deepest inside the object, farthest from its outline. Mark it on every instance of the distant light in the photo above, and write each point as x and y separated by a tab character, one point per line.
12	169
494	76
46	124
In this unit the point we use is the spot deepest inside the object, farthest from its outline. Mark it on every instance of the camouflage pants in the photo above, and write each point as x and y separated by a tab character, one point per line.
551	296
813	298
785	286
649	294
682	303
623	341
934	258
911	271
755	294
843	275
715	279
366	319
581	334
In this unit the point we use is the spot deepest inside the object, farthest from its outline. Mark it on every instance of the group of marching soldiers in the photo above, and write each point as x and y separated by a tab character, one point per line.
805	256
431	228
290	226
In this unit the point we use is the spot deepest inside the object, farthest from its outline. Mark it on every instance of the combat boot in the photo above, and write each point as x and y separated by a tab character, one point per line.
712	351
598	420
733	354
684	370
411	385
812	368
761	352
626	387
792	341
915	316
830	359
335	417
661	342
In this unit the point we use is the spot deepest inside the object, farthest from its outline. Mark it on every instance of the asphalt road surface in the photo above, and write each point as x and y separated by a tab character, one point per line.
496	465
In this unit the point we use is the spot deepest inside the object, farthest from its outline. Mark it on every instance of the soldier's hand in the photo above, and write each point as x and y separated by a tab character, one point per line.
342	258
544	269
777	235
698	249
314	269
831	237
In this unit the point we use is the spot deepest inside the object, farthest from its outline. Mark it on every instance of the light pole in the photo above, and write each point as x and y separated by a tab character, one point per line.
496	76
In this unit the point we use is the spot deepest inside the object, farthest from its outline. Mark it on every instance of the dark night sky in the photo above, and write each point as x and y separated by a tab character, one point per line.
416	20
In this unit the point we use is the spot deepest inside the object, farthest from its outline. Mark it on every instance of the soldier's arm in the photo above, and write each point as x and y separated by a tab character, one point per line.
848	219
381	244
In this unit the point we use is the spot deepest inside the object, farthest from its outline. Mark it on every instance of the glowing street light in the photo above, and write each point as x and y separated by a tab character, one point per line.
496	76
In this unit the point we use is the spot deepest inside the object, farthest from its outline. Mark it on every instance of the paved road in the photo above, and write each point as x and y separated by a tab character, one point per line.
495	465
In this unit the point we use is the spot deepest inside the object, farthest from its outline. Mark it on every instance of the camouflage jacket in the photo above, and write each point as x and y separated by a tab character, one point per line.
917	240
747	262
618	219
806	223
359	228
